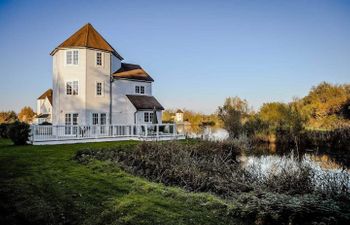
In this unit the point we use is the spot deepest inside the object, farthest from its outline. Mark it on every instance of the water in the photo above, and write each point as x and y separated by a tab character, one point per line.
322	157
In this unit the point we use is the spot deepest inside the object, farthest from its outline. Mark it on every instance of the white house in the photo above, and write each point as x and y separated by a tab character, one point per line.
44	108
179	116
92	86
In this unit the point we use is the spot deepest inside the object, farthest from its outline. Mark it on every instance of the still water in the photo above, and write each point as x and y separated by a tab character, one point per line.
322	157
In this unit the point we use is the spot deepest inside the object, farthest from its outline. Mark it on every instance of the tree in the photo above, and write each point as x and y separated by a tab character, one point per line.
26	115
232	113
274	113
326	105
8	117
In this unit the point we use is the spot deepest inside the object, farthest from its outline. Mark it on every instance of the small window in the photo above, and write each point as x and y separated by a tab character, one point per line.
72	57
99	88
146	117
137	89
99	58
142	89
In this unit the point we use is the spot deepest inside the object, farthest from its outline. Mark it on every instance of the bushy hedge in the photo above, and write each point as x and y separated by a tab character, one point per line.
18	132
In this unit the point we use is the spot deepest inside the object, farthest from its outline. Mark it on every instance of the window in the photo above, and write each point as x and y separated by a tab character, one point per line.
72	57
103	118
99	87
139	89
69	57
75	88
146	117
72	88
68	119
99	58
150	117
71	119
69	88
94	118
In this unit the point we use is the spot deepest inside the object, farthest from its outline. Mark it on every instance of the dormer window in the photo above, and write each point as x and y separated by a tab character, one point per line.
140	89
98	58
72	57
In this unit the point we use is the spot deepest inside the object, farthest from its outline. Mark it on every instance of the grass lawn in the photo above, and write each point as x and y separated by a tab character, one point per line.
44	185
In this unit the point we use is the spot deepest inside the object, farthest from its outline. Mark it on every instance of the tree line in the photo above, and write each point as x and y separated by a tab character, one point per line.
326	108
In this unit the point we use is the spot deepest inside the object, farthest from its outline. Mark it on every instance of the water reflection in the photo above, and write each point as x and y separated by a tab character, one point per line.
324	156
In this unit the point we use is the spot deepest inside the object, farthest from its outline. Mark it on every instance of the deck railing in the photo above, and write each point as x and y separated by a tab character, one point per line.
79	132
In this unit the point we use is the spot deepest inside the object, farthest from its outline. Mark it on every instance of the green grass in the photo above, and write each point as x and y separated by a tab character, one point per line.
44	185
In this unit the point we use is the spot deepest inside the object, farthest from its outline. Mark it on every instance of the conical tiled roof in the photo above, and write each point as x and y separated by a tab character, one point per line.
87	37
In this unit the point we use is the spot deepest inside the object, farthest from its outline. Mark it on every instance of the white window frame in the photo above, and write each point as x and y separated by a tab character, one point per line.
146	117
73	121
72	87
72	52
102	57
141	89
102	89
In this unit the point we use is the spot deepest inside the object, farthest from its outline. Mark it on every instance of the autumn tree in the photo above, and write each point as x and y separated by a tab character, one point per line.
8	117
26	114
233	113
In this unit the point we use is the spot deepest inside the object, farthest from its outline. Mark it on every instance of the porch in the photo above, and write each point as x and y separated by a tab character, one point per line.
61	134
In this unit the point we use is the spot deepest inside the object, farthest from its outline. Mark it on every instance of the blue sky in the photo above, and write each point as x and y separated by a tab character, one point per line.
199	52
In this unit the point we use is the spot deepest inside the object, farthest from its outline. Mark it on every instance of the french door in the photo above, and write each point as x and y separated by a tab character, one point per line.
71	122
99	120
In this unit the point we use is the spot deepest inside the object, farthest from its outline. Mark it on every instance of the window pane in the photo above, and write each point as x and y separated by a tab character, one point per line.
69	88
68	57
75	118
75	57
103	118
68	119
142	89
94	118
150	117
98	88
75	88
137	89
99	58
146	117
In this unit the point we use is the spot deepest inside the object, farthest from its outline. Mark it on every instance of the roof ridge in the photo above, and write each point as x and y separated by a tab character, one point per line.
87	33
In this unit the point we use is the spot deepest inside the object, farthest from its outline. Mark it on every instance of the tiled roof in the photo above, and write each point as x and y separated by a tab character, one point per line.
143	102
133	72
87	37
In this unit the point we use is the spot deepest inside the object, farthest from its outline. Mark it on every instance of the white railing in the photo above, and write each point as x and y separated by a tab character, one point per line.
79	132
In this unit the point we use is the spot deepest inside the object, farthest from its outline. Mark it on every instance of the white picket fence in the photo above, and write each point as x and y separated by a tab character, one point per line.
59	134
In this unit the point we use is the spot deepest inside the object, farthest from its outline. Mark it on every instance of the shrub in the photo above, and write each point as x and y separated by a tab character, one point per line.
4	130
18	132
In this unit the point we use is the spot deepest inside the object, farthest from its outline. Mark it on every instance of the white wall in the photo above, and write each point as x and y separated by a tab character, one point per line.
63	103
127	87
140	117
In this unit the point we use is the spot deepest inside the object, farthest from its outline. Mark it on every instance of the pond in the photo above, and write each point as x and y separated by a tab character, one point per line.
321	156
